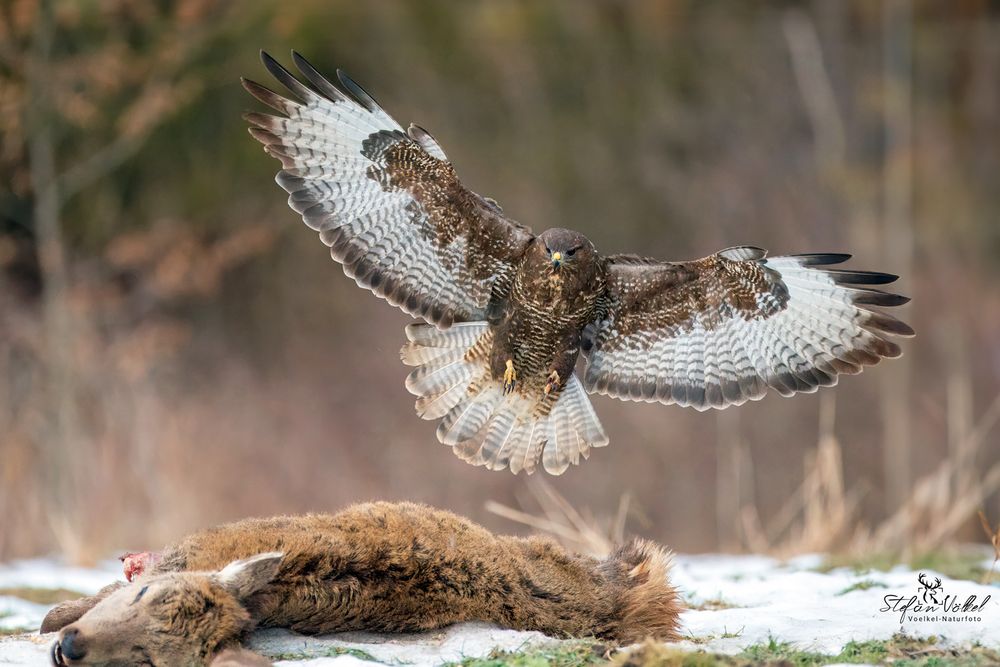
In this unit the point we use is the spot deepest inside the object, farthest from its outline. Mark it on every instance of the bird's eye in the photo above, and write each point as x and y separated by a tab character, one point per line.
570	252
548	250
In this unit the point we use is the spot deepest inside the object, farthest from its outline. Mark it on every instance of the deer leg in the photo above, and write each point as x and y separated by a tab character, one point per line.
239	657
70	611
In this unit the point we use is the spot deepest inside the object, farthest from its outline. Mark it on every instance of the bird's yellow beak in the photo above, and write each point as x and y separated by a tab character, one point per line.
556	259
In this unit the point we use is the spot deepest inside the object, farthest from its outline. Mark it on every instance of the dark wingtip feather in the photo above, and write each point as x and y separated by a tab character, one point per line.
286	78
269	62
848	276
359	94
320	82
822	259
263	136
874	297
888	324
269	97
257	119
261	92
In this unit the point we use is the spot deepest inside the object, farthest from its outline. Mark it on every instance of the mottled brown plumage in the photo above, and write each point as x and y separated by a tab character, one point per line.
392	567
507	313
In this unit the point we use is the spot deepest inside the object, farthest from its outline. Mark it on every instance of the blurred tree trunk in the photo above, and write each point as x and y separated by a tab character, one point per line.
897	446
57	437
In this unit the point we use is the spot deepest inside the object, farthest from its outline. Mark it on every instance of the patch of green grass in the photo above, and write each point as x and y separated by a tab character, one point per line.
8	632
874	652
878	562
705	639
699	639
711	605
42	595
903	651
651	654
575	654
775	651
953	563
330	652
862	585
900	651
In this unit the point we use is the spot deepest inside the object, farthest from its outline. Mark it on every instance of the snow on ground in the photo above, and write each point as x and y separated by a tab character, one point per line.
821	612
48	573
737	601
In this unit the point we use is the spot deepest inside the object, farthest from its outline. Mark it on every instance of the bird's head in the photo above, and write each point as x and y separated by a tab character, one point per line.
565	250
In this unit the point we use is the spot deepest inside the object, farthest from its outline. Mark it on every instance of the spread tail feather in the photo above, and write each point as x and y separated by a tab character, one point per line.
484	426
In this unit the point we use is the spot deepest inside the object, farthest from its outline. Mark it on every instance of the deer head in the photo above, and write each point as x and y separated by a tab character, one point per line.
174	618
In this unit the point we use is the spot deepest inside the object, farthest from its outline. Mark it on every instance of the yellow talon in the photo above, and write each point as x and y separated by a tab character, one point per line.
509	377
552	383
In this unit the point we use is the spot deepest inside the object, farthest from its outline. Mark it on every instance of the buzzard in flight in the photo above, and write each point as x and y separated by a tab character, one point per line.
507	313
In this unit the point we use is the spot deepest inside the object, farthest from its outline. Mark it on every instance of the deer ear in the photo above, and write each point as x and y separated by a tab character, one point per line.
245	577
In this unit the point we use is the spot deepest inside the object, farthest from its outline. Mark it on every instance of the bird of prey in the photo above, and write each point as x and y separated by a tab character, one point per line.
507	313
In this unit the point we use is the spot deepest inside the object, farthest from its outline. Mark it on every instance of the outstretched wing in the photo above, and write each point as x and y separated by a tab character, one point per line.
724	329
386	201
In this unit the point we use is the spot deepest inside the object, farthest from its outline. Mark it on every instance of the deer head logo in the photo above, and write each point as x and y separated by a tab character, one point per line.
929	590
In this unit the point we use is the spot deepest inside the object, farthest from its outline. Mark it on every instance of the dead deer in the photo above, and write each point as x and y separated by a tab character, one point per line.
384	567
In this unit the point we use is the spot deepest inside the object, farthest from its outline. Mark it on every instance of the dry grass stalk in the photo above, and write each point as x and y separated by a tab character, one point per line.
820	517
993	535
943	501
580	531
822	511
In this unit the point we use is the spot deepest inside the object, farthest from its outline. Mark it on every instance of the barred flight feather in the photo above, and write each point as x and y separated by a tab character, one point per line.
386	201
723	330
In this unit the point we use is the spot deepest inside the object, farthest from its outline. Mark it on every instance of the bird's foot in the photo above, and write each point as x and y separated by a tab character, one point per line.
553	383
509	377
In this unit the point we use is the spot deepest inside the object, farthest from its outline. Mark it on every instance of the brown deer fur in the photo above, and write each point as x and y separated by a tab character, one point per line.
381	567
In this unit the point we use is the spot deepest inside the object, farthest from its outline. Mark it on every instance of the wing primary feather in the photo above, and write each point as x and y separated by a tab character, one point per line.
846	276
286	78
873	297
263	136
359	93
320	82
822	259
824	327
262	121
333	182
887	323
268	96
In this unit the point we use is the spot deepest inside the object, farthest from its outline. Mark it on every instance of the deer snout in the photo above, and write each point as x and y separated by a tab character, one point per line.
69	646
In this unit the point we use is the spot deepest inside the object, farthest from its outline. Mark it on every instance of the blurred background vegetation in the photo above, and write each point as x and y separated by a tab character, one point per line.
177	349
